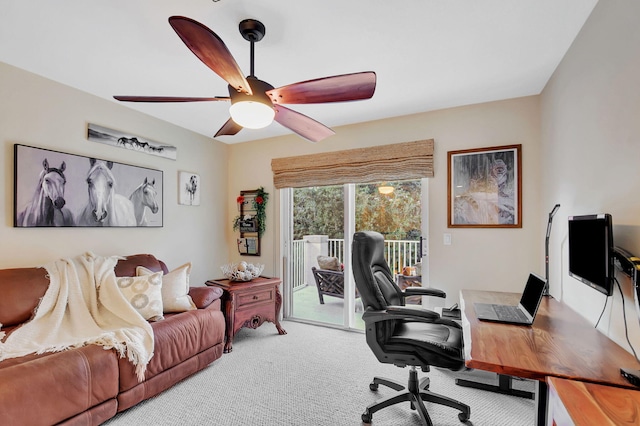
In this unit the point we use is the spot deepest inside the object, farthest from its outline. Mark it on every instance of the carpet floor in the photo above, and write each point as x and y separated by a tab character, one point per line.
313	376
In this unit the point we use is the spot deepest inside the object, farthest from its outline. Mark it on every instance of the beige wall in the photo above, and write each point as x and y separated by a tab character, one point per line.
591	151
497	259
38	112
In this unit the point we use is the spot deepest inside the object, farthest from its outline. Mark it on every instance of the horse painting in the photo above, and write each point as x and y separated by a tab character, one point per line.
192	188
143	199
46	208
105	207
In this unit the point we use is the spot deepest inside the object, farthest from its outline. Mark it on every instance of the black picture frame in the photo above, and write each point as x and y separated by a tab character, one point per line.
51	189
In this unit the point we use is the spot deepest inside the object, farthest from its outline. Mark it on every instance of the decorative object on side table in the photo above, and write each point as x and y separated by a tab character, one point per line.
242	271
249	304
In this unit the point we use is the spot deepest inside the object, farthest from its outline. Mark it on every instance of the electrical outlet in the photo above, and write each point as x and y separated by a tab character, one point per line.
447	239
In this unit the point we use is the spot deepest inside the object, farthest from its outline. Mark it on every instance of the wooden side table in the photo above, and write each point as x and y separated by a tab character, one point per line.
249	304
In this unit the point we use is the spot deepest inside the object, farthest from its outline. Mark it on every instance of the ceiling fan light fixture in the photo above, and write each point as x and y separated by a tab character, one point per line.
253	111
252	114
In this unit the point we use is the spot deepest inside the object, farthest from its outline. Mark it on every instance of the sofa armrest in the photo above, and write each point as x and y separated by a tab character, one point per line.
204	296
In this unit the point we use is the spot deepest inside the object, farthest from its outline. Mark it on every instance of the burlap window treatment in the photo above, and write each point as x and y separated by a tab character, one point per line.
401	161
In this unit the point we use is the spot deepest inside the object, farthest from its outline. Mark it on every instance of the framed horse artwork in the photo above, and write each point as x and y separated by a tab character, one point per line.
56	189
188	189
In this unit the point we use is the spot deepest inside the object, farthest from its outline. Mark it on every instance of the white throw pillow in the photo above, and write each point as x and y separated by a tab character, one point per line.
175	288
144	293
329	263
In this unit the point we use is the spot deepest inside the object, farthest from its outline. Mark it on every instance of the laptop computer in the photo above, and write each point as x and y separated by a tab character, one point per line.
524	313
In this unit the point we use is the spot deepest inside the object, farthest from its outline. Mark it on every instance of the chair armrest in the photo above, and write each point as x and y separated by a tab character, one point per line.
447	321
400	313
423	291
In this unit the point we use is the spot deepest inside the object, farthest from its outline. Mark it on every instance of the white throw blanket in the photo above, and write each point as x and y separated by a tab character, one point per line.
82	306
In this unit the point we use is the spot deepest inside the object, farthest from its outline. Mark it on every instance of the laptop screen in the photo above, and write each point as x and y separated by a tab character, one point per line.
532	294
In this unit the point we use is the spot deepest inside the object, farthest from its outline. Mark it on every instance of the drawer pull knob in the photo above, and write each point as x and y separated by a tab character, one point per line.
255	297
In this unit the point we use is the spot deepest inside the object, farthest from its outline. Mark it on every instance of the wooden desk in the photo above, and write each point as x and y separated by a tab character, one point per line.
560	343
573	403
249	304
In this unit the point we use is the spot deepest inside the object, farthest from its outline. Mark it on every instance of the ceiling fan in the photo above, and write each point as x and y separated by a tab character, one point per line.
256	103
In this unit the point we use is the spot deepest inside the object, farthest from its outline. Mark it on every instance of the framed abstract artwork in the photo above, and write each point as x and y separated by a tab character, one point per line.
485	187
55	189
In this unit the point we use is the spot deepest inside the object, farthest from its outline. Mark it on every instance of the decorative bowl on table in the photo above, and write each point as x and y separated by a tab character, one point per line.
242	271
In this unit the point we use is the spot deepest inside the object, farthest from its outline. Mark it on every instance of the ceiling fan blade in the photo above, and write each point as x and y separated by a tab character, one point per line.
211	50
338	88
168	99
228	129
306	127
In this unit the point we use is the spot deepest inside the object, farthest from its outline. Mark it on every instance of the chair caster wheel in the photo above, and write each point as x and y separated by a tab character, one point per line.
463	417
366	417
373	386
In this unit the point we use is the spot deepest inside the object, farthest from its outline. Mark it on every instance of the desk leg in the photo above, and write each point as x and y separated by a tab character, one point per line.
504	387
542	391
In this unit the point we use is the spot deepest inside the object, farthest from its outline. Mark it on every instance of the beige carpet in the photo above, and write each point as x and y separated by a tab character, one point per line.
311	376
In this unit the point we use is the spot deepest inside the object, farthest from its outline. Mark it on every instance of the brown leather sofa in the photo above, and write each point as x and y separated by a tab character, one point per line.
88	385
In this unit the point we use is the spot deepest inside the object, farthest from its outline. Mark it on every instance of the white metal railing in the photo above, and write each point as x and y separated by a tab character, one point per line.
336	248
397	253
401	253
297	251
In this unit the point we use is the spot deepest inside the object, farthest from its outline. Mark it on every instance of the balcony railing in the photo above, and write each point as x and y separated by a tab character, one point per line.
397	253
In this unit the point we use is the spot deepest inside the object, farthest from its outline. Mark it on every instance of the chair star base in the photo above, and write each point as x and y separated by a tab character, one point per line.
417	392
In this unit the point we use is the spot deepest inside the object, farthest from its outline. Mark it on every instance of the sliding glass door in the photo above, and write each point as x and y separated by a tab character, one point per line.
321	221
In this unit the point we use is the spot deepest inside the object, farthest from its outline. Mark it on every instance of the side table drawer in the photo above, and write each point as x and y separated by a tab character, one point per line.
253	298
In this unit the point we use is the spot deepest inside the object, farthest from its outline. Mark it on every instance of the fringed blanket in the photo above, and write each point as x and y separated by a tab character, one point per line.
82	306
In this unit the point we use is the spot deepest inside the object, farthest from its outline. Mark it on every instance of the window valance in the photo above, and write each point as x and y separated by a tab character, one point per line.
401	161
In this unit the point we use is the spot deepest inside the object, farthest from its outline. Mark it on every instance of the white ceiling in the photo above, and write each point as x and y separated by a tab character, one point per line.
427	54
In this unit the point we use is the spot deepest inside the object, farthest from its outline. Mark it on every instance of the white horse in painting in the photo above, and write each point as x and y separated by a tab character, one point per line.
105	207
46	208
192	188
143	199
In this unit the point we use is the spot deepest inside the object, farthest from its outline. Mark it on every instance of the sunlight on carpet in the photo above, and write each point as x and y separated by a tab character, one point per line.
312	376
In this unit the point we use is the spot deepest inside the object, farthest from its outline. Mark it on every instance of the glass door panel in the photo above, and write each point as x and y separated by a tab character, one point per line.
318	247
321	272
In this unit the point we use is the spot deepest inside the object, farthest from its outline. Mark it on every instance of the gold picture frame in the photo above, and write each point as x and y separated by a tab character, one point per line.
485	187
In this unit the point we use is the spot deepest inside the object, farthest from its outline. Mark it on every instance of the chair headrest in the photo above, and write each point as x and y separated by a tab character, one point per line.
373	277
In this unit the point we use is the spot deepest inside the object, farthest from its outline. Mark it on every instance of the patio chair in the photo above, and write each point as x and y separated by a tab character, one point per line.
402	335
329	283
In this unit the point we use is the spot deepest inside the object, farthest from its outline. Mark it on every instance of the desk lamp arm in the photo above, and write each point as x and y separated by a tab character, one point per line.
546	249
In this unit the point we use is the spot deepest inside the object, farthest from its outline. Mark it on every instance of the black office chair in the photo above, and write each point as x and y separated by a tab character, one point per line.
403	335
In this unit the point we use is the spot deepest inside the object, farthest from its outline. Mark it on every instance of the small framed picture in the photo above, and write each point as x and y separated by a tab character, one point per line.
485	187
189	189
249	245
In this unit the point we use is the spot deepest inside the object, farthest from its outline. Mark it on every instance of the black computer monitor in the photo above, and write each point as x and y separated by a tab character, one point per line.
591	251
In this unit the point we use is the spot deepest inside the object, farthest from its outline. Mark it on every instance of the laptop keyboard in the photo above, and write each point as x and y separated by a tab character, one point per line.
510	313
